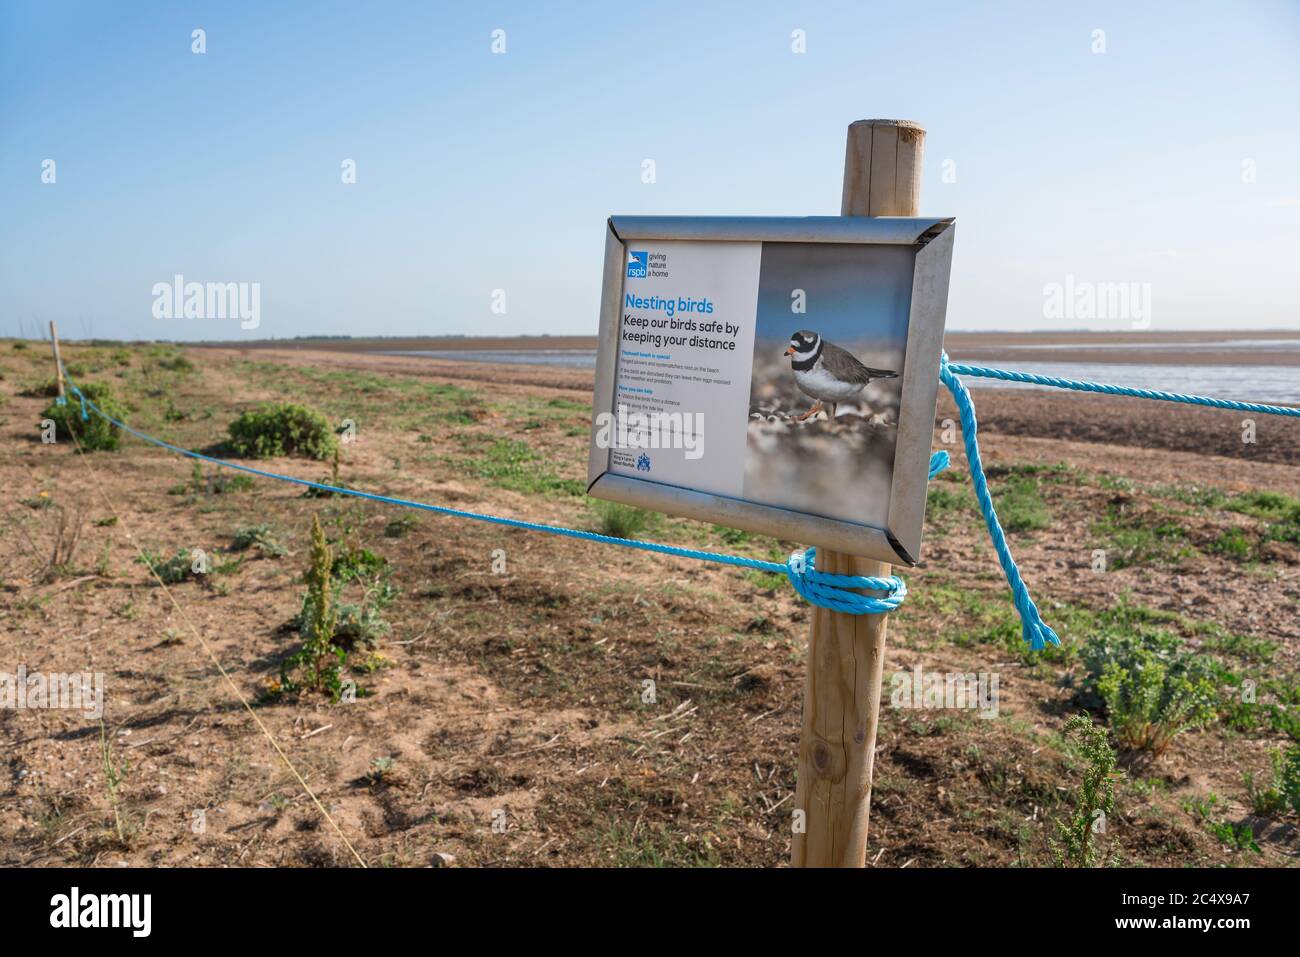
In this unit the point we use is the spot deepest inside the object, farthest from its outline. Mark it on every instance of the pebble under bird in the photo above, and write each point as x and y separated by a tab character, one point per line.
826	372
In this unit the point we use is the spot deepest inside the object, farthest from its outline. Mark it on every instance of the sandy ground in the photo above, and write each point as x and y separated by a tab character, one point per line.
511	702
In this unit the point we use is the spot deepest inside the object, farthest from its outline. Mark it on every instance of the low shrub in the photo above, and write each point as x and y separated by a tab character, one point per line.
400	526
360	626
95	434
1282	790
170	571
40	389
261	537
1151	688
177	363
282	429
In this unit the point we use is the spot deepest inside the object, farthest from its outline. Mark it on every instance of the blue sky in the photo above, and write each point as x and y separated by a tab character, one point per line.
479	171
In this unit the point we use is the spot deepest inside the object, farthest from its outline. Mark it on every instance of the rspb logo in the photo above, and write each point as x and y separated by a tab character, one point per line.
643	463
638	264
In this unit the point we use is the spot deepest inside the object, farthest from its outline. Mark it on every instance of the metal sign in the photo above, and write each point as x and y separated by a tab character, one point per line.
777	375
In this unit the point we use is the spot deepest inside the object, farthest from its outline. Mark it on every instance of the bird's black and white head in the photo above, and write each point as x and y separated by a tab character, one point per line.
804	347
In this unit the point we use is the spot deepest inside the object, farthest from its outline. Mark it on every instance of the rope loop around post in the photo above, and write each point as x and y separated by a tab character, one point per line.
842	592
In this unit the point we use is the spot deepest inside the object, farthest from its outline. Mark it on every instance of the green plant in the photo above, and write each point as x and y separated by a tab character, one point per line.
400	526
1201	808
513	465
1020	505
41	389
261	537
620	521
1234	544
222	483
1151	688
319	659
1282	790
282	429
360	625
1289	781
353	562
381	770
95	433
1095	798
1132	537
1281	513
176	363
731	536
170	571
1239	836
942	501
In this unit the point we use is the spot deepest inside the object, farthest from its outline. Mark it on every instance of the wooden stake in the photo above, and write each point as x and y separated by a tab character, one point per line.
58	365
846	653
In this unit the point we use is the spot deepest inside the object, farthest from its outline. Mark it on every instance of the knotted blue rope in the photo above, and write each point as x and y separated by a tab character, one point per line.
838	592
830	590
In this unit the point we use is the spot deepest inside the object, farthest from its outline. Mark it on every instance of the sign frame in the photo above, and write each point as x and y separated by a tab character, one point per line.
900	541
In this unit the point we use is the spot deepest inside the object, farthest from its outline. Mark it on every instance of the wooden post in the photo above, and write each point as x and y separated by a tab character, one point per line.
58	366
846	653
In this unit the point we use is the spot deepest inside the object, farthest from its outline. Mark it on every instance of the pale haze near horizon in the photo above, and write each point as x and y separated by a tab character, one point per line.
1172	159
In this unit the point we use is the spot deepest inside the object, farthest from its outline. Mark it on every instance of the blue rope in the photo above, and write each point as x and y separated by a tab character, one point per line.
825	589
837	592
1035	632
1078	386
938	462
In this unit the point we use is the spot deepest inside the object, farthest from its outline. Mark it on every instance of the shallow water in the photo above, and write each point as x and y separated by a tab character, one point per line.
1233	345
1271	385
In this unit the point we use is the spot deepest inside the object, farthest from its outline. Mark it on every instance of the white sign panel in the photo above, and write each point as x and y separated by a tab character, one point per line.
686	345
772	374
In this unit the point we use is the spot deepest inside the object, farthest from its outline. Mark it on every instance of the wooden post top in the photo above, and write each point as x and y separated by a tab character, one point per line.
882	168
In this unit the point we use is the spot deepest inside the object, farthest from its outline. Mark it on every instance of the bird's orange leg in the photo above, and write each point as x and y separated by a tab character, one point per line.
817	407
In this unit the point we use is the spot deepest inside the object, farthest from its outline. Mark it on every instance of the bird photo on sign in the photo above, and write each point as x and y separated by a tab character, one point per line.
826	385
827	372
